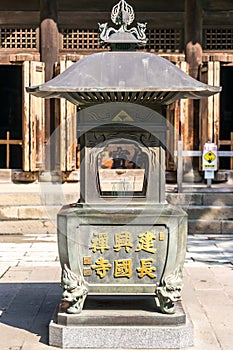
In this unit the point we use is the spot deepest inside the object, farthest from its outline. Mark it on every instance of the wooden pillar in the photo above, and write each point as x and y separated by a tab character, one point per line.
193	53
49	50
193	36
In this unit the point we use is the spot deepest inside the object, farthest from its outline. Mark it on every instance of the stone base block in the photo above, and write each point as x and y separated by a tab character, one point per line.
122	328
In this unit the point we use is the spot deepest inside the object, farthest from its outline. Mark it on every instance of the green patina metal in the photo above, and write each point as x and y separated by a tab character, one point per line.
121	236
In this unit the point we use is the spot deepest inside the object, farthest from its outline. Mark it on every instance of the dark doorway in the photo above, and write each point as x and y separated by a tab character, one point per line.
226	111
11	115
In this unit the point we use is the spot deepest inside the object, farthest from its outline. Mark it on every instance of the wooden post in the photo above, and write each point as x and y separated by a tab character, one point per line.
49	50
231	160
49	35
216	111
193	36
193	52
179	166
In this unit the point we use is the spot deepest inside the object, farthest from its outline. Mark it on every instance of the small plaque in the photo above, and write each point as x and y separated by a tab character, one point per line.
87	260
161	236
87	271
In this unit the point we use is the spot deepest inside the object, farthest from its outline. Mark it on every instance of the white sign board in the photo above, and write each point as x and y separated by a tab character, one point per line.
209	157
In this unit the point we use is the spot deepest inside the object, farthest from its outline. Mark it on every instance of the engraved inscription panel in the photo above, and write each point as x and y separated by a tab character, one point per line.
122	254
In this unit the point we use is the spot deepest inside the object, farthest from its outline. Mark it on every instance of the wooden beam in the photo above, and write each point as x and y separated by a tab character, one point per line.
19	18
218	18
90	20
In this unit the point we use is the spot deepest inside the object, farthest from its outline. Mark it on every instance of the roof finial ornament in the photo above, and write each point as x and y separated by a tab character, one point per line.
123	15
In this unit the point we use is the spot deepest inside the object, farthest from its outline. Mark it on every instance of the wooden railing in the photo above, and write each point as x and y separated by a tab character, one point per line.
180	153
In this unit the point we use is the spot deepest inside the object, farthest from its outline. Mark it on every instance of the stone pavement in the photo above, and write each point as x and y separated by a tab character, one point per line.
30	291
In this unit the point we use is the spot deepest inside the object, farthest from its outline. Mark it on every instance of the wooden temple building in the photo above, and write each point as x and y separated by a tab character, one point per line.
41	38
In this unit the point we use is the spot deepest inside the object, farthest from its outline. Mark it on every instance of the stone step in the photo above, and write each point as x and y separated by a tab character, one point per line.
29	212
19	199
199	226
201	199
208	213
42	219
21	227
59	196
33	208
199	212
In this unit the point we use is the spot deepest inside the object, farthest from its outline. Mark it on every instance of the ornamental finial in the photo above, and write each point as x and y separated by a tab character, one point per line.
123	15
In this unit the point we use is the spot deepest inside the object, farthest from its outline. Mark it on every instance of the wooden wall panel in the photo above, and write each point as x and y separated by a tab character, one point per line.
26	117
37	121
68	140
216	113
213	102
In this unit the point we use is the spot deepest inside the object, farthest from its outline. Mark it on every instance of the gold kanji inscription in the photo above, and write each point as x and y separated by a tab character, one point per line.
123	268
100	242
122	240
146	242
101	267
146	269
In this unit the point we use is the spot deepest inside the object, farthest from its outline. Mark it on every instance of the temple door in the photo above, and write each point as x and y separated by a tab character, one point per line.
33	118
177	116
210	107
68	138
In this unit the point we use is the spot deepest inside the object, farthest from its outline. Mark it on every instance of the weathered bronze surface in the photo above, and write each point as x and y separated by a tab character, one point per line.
118	239
122	237
107	76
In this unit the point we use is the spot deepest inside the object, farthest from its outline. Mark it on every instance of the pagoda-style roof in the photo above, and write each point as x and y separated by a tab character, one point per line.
137	77
123	76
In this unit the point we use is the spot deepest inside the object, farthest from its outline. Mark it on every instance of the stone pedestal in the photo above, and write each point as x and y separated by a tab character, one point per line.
121	322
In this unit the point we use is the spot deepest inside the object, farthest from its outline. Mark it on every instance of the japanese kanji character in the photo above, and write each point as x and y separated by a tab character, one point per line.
146	269
123	268
101	267
122	239
100	242
146	242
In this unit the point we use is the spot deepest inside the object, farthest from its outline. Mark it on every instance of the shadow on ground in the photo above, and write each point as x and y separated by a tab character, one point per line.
29	306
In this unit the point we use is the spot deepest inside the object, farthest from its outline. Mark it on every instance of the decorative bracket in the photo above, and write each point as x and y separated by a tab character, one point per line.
74	291
169	292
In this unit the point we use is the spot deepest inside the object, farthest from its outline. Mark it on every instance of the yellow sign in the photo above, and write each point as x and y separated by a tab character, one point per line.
210	157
